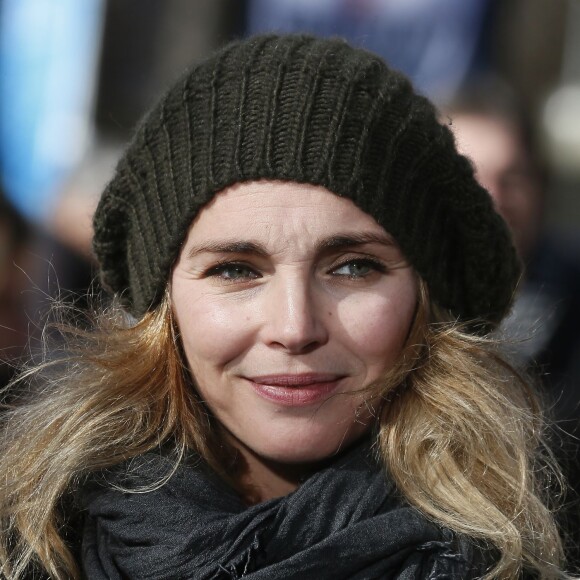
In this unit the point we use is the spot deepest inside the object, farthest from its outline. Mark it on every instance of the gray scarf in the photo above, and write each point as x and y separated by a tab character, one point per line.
344	522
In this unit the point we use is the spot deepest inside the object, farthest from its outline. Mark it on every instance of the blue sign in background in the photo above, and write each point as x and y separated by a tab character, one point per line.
48	60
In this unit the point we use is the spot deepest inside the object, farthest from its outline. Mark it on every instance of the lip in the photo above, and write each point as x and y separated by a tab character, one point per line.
295	390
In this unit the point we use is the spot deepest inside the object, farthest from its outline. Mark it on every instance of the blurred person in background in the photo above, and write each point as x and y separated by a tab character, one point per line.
543	329
14	237
35	268
71	220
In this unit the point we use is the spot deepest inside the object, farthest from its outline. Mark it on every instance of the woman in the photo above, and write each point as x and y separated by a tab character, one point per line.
302	389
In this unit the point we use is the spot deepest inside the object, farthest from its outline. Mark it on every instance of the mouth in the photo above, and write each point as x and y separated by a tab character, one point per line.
296	390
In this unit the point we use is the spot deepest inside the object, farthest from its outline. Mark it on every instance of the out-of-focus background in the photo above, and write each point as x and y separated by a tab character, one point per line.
76	75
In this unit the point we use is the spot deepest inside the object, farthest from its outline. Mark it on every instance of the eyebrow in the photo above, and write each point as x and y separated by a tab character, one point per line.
355	239
228	247
331	243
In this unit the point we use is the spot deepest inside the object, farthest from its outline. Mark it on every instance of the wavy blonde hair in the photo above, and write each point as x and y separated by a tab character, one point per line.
459	431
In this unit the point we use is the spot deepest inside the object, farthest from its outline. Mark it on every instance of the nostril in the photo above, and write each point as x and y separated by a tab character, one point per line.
298	338
297	348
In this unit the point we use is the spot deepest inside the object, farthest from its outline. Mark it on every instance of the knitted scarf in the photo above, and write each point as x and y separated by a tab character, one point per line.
344	522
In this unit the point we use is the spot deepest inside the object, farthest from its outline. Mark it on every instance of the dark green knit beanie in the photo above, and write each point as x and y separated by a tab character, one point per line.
318	111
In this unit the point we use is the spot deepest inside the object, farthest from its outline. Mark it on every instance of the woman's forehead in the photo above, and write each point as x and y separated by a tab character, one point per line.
277	208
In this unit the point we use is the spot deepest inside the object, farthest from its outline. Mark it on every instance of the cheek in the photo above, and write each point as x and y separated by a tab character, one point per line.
214	331
376	326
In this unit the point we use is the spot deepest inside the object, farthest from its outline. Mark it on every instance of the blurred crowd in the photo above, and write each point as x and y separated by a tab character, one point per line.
76	75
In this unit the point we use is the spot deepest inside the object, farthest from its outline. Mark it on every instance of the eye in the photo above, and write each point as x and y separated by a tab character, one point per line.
359	268
232	271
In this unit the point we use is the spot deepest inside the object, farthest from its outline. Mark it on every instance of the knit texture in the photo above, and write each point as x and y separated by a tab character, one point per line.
308	110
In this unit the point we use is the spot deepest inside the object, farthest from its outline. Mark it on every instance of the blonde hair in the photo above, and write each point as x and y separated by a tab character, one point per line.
462	435
459	432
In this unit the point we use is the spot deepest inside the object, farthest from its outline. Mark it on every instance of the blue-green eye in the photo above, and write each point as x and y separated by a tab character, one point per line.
233	272
358	268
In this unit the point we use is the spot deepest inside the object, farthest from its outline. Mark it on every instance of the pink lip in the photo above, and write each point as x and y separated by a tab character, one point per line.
295	390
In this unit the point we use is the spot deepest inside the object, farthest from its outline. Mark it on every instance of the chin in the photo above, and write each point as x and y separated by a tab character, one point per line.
307	448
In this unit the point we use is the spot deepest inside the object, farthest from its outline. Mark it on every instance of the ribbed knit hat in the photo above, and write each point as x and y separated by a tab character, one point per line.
318	111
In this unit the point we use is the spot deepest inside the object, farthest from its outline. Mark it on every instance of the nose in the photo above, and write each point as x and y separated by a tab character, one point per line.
294	321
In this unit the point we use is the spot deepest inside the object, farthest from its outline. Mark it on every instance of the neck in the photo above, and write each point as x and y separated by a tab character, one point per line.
260	479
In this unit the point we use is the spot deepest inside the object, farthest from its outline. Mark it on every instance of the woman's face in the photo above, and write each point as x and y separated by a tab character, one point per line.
290	301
